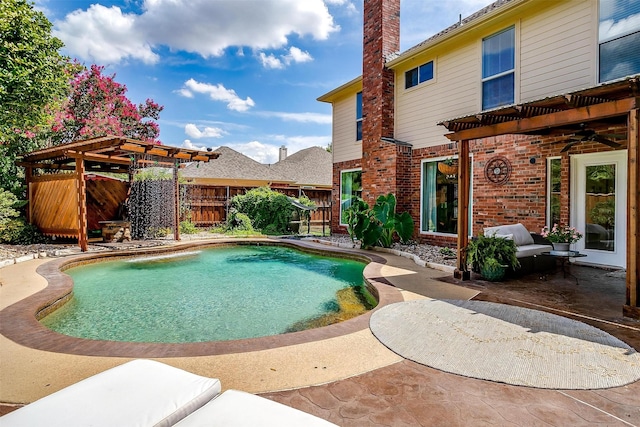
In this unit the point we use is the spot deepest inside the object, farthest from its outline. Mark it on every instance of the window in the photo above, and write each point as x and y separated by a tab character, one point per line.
553	196
350	187
619	39
418	75
359	116
498	69
440	196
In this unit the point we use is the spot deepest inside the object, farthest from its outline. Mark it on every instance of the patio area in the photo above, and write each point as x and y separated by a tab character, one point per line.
365	384
411	394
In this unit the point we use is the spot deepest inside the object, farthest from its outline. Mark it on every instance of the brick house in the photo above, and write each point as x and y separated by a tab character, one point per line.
535	101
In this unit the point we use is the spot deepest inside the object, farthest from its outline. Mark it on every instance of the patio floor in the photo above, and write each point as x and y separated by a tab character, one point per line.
405	393
410	394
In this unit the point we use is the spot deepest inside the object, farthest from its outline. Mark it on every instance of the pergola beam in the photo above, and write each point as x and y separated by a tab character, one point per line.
530	125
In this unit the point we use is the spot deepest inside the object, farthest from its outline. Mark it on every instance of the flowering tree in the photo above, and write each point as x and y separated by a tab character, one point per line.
98	106
33	74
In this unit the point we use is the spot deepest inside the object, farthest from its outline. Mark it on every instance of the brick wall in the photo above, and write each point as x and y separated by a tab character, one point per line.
523	198
381	37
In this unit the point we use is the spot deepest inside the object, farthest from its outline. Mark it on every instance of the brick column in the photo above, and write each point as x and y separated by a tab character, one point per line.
381	38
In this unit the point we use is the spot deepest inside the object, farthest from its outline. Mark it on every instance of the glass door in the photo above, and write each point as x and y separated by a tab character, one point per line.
598	208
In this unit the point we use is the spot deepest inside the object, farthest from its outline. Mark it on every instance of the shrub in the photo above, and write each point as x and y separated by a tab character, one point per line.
269	210
18	232
239	221
187	227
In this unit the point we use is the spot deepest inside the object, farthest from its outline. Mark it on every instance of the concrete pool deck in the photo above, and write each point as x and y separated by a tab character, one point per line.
391	390
29	373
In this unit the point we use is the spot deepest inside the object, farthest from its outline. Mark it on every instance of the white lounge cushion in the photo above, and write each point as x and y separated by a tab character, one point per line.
235	408
531	250
521	235
137	393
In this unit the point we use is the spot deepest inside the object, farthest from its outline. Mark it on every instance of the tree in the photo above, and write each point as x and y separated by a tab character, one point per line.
33	75
98	106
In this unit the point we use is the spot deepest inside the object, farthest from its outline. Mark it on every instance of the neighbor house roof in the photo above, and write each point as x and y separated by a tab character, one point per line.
231	165
309	167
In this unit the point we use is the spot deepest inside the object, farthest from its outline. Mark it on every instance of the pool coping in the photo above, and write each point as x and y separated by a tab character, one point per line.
19	321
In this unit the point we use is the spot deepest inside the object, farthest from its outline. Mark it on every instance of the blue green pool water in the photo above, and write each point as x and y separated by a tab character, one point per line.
211	294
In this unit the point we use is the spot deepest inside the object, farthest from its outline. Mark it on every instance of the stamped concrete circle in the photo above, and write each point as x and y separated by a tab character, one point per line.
507	344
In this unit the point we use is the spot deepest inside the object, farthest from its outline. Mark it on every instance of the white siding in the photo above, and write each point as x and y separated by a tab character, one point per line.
345	147
558	50
453	93
555	53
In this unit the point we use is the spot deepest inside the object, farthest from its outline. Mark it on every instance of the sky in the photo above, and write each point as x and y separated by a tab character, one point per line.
240	73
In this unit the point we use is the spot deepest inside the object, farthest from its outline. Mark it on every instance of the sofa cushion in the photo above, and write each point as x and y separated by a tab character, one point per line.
137	393
531	250
235	408
521	235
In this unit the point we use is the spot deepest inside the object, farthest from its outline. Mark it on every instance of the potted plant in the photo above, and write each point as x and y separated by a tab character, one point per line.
448	166
492	270
561	236
483	248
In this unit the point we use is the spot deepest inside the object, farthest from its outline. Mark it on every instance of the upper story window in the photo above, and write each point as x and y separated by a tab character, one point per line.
619	39
498	69
359	116
418	75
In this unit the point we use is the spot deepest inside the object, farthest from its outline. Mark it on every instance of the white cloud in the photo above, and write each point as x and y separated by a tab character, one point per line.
263	153
317	118
206	27
188	144
217	93
270	61
294	55
208	132
297	55
105	35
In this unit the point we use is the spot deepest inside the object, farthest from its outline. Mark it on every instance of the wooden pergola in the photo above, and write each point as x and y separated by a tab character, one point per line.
56	178
611	104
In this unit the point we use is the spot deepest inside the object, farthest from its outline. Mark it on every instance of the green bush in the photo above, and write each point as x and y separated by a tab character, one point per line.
187	227
18	232
8	202
269	210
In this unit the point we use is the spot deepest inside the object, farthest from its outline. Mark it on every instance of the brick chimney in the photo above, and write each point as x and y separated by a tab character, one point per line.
385	163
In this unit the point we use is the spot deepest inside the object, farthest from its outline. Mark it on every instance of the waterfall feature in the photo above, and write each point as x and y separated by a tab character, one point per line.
151	204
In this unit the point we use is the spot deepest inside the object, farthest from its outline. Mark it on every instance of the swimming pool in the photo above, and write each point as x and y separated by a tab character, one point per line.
210	294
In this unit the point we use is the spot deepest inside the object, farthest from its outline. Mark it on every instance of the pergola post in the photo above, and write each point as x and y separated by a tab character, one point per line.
631	308
176	204
28	176
81	189
461	271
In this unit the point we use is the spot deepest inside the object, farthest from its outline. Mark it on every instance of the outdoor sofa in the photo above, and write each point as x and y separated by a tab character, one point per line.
148	393
529	247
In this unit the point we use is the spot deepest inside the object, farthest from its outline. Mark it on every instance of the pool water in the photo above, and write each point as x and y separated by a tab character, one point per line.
211	294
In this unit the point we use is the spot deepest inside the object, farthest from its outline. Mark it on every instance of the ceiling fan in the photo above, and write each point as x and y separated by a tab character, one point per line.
589	135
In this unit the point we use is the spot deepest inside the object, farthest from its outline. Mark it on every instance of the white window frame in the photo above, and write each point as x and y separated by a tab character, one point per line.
426	82
600	42
548	195
504	73
439	159
359	119
340	195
